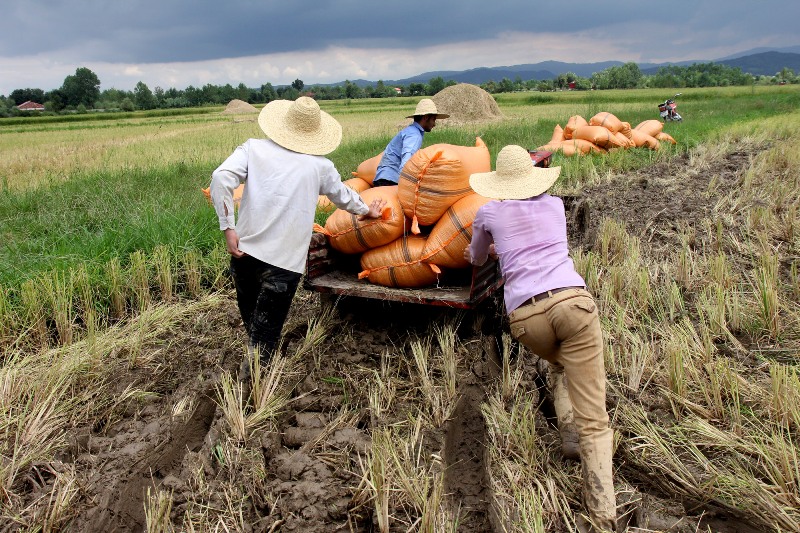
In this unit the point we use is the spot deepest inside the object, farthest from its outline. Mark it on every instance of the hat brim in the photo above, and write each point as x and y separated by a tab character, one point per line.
321	141
523	186
438	115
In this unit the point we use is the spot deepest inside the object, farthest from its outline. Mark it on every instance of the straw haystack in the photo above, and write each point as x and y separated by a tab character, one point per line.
239	107
466	103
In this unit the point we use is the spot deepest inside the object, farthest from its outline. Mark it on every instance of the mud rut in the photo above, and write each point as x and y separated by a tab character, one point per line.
143	444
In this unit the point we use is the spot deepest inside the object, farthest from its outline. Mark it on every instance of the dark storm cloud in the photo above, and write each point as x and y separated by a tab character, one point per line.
148	31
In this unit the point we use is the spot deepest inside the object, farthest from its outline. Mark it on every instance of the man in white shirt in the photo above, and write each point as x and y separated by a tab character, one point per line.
283	176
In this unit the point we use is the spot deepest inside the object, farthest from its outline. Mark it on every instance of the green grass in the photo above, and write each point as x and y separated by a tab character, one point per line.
131	182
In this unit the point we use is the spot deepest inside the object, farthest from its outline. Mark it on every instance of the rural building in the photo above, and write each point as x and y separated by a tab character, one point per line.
30	106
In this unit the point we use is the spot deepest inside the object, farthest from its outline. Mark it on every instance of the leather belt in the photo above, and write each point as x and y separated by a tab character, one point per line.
547	294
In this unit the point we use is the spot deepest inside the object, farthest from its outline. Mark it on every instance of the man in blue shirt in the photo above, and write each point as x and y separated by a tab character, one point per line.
406	143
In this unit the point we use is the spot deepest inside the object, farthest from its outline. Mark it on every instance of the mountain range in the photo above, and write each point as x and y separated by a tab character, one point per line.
756	61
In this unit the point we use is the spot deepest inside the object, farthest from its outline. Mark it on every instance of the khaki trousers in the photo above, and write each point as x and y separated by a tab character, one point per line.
565	330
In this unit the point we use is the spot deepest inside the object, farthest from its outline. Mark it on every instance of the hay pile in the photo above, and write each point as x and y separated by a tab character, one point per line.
466	103
239	107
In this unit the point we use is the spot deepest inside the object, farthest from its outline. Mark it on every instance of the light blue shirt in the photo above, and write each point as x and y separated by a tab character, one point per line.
399	151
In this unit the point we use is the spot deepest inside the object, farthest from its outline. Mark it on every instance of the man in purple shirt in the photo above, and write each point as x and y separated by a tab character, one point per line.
550	311
406	143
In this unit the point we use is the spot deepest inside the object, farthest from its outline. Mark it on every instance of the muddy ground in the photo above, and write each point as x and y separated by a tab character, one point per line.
309	463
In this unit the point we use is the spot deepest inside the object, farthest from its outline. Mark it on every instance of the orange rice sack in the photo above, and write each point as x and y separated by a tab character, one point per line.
626	129
651	127
237	194
625	141
357	184
608	120
349	235
642	139
573	147
453	233
574	122
399	264
558	134
366	169
664	136
600	136
436	177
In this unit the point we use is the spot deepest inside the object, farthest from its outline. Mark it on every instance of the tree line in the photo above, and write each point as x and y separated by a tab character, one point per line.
81	91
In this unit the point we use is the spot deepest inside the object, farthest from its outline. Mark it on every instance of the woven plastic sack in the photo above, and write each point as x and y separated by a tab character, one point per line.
651	127
574	122
357	184
664	136
600	136
436	177
366	169
453	233
558	134
349	235
608	120
642	139
573	147
399	264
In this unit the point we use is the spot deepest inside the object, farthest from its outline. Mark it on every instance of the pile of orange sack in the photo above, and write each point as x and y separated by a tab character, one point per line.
427	222
604	132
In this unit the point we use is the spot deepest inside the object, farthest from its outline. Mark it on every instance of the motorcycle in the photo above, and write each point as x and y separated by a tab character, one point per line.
668	109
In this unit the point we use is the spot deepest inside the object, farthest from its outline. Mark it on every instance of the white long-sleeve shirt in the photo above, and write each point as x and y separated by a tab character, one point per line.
276	213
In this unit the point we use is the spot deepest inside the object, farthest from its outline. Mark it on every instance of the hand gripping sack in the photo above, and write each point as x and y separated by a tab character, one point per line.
399	264
366	169
453	233
357	184
349	235
436	177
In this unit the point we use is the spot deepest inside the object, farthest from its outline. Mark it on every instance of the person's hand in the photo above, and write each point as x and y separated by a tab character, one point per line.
467	255
492	252
232	240
375	209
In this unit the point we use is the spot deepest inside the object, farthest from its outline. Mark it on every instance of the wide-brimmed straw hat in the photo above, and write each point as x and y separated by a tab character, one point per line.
300	126
516	177
426	106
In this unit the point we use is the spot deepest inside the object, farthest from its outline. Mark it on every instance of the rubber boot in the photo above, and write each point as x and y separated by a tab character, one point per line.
598	481
557	381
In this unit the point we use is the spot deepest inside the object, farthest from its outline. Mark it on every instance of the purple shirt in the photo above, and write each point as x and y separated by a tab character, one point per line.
530	237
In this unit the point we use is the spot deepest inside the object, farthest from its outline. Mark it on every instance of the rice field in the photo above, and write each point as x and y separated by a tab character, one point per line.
116	317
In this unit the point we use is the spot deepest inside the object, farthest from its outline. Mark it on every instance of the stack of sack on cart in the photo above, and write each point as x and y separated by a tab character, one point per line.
604	132
427	222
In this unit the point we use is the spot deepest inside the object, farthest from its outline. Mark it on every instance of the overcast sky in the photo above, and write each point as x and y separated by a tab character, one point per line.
177	43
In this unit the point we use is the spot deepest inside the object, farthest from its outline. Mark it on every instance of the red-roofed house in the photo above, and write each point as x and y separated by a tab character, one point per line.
30	106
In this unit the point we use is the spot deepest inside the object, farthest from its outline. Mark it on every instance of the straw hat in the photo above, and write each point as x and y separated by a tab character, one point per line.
516	177
300	126
426	106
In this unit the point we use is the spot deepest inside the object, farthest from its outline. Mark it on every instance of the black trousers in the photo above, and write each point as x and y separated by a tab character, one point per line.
264	294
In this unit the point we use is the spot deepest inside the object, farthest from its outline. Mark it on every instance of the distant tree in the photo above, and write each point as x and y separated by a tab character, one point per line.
127	105
158	92
81	88
416	89
143	97
288	93
268	91
55	100
298	85
505	86
23	95
351	90
435	85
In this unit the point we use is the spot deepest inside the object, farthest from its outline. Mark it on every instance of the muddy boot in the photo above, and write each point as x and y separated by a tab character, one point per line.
570	444
598	481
